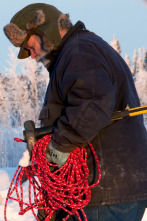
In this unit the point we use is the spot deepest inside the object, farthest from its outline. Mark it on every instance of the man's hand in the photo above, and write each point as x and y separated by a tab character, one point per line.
56	156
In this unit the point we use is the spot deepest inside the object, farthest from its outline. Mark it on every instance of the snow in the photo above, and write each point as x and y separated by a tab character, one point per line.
6	175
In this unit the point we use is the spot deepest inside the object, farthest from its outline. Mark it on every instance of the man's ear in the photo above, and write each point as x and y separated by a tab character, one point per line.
62	32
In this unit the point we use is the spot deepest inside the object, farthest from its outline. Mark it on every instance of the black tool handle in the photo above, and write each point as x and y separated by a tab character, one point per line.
42	131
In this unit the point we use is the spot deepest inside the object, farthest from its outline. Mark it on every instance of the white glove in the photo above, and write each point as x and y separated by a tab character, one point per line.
25	160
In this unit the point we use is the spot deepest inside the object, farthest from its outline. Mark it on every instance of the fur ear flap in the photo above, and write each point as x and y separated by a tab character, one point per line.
39	20
64	22
14	34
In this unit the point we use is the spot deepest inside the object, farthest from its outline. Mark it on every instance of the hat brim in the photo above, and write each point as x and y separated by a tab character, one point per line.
23	52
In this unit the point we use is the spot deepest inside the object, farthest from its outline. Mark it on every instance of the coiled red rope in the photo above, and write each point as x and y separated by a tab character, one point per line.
66	188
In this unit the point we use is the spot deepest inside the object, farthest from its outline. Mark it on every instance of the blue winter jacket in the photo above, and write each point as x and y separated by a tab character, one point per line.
89	80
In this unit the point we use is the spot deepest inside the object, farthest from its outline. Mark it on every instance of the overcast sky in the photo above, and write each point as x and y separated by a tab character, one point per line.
124	18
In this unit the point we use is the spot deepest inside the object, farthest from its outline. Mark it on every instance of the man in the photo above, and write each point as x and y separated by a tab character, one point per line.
88	82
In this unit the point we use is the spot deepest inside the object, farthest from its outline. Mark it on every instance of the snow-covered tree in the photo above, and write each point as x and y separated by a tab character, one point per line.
141	86
115	44
135	58
144	58
12	86
127	60
37	80
4	102
25	89
140	60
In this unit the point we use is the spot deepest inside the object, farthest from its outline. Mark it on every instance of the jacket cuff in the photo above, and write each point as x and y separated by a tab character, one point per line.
64	149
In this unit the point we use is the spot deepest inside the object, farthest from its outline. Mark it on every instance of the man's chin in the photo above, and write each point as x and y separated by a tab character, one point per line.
43	60
38	58
41	56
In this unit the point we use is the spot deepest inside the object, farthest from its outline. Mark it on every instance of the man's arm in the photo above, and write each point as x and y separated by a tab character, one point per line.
90	99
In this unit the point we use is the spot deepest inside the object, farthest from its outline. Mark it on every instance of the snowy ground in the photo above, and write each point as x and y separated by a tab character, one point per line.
6	175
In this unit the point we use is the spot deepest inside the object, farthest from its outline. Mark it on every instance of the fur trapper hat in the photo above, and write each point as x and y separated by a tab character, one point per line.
38	18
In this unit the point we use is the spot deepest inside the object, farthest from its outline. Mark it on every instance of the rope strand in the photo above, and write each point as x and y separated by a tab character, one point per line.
66	188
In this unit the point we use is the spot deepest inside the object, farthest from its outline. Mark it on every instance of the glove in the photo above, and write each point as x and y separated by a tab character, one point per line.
56	156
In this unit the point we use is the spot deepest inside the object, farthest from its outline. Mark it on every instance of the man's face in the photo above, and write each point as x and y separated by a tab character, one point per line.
35	47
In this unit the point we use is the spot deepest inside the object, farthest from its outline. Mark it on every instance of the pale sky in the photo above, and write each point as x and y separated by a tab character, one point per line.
126	19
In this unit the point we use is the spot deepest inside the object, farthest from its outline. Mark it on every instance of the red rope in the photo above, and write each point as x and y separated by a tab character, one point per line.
66	188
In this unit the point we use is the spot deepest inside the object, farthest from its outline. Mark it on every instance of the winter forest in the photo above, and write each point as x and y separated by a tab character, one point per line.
22	90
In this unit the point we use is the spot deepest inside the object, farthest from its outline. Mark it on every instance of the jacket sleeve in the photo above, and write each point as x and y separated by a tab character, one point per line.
89	97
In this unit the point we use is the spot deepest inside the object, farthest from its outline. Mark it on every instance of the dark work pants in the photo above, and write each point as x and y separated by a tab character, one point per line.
132	211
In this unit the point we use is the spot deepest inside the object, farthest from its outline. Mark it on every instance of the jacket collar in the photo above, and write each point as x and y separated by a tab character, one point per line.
78	27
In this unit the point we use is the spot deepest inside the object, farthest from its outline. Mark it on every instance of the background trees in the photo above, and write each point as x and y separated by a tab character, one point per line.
23	87
22	90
